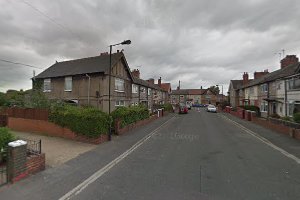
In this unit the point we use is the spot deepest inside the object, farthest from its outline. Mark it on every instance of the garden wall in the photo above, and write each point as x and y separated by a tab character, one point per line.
51	129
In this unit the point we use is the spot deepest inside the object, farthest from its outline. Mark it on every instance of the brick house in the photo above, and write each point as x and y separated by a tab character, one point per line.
86	81
277	92
196	96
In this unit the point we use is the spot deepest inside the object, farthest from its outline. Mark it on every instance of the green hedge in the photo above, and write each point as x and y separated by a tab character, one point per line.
129	115
89	121
252	108
5	137
296	117
167	107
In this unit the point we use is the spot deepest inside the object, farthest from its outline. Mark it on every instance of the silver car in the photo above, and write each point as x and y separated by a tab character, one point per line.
211	108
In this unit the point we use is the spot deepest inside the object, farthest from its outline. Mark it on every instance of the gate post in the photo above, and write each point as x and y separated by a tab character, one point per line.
16	166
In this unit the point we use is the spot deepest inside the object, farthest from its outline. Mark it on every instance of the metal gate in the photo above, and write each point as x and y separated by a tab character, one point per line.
3	166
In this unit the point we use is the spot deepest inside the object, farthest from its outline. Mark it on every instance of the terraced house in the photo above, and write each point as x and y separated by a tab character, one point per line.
86	82
275	93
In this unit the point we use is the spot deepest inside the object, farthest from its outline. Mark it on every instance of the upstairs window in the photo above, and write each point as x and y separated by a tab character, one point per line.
47	85
119	85
264	87
149	91
294	83
68	83
135	88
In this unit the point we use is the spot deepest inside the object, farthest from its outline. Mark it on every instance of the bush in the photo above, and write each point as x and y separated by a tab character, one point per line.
5	137
252	108
296	117
286	118
89	122
167	107
129	115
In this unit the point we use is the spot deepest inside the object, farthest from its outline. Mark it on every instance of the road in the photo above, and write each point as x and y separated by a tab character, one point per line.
198	155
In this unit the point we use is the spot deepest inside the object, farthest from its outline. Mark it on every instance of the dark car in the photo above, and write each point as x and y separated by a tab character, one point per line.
183	109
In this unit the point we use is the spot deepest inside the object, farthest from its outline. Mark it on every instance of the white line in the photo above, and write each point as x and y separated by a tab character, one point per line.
79	188
264	140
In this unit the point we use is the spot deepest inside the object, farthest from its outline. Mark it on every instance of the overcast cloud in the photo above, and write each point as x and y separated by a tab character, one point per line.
199	42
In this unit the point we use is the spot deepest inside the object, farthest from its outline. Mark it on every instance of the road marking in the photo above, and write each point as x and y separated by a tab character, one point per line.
264	140
79	188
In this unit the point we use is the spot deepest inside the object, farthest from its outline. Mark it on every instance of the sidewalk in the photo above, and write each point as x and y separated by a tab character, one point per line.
283	141
58	150
55	182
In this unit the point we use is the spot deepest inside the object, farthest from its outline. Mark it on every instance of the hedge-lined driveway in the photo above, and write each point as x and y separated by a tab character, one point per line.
58	150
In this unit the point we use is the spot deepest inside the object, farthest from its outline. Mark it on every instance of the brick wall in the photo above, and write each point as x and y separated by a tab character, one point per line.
16	167
3	120
121	131
35	163
51	129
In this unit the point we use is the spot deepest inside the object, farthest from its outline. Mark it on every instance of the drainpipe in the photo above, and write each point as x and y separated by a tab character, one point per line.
285	97
89	86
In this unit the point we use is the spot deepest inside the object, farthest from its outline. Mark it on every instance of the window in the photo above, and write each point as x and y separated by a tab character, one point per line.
264	106
294	83
68	83
47	85
149	91
142	89
135	88
119	85
252	90
278	86
120	103
264	87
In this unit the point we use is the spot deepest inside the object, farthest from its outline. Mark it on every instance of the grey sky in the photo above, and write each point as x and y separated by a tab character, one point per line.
199	42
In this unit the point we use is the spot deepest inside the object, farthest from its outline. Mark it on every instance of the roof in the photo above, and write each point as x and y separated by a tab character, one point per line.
278	74
144	83
189	91
88	65
236	84
166	86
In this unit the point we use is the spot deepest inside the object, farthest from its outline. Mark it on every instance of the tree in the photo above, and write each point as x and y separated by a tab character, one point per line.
3	100
214	89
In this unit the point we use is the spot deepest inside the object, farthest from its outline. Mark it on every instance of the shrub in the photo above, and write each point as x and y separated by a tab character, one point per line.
167	107
296	117
275	115
286	118
252	108
129	115
89	122
5	137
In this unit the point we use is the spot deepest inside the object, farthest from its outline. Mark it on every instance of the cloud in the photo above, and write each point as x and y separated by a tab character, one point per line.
199	42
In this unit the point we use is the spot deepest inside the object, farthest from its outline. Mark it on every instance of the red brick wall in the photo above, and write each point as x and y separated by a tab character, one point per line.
35	163
120	131
48	128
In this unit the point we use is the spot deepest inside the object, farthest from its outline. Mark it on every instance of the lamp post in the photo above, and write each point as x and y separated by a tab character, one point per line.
222	90
125	42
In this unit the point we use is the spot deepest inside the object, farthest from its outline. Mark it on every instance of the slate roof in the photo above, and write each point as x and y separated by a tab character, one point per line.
189	91
236	84
278	74
88	65
145	83
166	86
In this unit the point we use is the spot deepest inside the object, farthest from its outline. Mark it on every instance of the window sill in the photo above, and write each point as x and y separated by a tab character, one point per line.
47	91
119	91
68	90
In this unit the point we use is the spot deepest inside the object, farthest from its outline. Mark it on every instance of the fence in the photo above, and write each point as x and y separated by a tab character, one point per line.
27	113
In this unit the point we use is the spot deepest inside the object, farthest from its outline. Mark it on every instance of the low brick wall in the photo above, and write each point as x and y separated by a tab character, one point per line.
35	163
51	129
121	131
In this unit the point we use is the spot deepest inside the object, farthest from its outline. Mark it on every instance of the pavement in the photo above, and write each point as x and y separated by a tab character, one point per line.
57	150
198	155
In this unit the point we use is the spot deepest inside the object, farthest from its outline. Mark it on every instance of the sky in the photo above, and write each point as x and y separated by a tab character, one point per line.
199	42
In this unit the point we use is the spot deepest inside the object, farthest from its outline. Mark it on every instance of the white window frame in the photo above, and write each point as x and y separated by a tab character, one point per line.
68	80
142	89
149	91
135	88
119	85
120	103
47	81
264	87
264	106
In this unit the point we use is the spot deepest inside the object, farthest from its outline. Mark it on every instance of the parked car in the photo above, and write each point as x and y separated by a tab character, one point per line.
183	109
211	108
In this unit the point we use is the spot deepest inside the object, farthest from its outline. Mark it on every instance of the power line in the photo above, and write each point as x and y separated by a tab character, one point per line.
50	19
17	63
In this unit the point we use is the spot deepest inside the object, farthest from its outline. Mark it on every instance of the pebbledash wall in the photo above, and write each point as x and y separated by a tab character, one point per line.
280	126
50	129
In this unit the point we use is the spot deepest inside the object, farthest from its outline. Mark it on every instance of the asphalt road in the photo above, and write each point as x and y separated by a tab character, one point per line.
198	155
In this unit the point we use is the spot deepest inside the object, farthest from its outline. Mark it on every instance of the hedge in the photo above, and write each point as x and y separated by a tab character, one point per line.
89	121
296	117
5	137
252	108
167	107
129	115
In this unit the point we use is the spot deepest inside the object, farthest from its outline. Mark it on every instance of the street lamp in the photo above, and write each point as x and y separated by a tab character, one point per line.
125	42
222	90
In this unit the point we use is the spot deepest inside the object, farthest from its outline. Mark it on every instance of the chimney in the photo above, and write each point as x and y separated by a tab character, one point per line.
151	80
289	60
159	81
179	85
260	74
178	88
136	73
245	78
